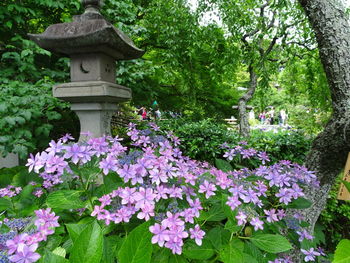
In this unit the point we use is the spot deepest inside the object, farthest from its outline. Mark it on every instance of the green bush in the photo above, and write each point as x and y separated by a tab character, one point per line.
202	140
335	218
27	113
284	145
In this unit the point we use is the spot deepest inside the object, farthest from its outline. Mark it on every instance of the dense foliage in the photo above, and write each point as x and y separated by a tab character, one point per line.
203	140
189	210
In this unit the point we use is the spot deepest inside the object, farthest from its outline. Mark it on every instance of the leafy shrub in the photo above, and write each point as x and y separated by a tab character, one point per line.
290	145
200	140
26	115
152	194
335	218
203	140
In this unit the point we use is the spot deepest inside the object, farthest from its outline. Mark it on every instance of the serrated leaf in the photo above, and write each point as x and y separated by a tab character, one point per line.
161	256
89	247
223	165
177	259
342	254
193	251
271	243
137	247
215	213
59	251
218	237
50	257
65	199
231	254
75	230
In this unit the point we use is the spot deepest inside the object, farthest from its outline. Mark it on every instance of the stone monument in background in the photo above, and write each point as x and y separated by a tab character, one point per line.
93	45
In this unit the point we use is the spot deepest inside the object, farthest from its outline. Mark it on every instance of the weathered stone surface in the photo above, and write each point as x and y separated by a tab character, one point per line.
11	160
95	117
91	91
90	67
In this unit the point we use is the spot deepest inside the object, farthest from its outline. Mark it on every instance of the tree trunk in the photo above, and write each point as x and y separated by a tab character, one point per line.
244	128
329	150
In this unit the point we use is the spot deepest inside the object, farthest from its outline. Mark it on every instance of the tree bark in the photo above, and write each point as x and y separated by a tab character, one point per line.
244	127
329	150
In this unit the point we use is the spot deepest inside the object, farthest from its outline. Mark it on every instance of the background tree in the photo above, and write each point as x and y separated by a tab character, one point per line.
329	150
262	30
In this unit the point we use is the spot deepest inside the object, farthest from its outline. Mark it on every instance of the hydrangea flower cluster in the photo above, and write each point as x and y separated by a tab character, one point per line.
23	246
10	191
168	189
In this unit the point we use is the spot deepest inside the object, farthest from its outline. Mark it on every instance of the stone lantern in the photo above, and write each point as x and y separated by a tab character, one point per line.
93	45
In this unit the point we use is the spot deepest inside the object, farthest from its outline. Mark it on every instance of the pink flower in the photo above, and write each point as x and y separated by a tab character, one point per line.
242	218
160	234
144	197
25	254
197	234
257	223
146	212
207	188
13	244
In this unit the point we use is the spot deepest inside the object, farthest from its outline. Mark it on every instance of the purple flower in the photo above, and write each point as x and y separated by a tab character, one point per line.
172	220
146	212
230	154
207	188
35	163
233	202
66	138
310	254
144	197
160	234
197	234
284	195
304	235
242	218
257	223
13	244
78	153
271	215
46	219
25	254
263	157
108	164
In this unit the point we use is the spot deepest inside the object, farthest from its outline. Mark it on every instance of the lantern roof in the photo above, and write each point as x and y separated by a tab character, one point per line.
88	33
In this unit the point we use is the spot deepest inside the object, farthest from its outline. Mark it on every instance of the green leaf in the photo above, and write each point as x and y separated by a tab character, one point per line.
249	259
193	251
108	251
89	245
5	204
346	184
60	251
232	226
215	213
342	253
75	230
52	257
137	247
300	203
230	254
271	243
223	165
162	256
65	199
252	250
218	237
177	259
